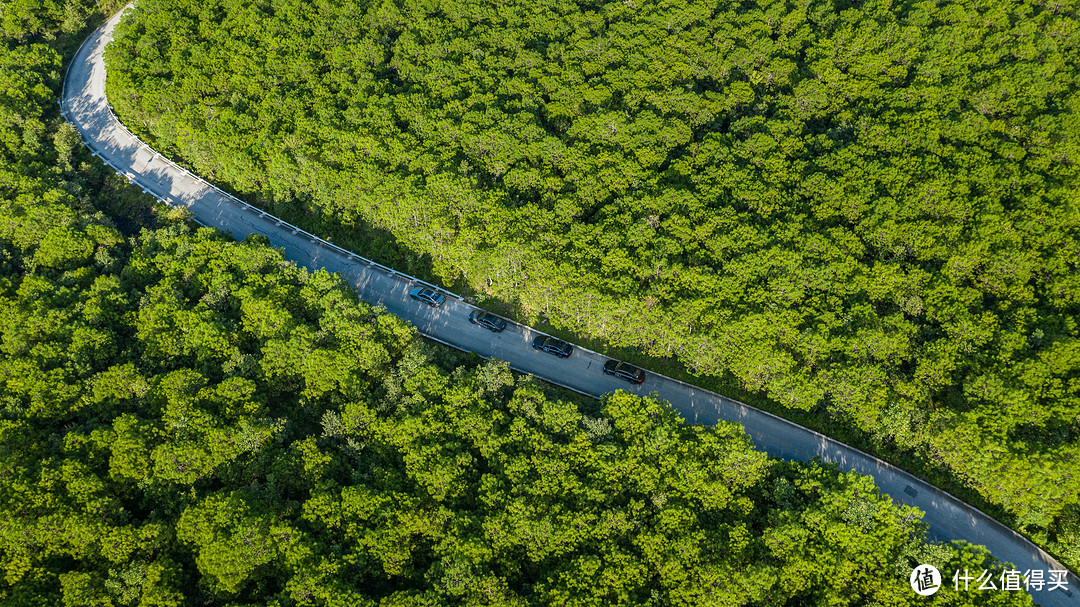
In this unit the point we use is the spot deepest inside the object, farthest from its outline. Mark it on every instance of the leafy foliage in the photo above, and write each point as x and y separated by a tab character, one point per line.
860	209
187	420
164	446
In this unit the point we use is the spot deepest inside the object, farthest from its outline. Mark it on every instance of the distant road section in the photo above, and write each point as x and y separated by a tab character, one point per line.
85	105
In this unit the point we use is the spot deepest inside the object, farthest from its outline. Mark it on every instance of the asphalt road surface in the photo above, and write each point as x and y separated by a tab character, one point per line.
85	105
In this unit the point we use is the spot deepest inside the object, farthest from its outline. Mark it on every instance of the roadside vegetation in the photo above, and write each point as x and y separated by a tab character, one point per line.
862	212
189	420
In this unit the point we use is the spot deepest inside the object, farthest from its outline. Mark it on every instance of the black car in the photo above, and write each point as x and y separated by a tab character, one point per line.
625	371
429	296
551	345
487	320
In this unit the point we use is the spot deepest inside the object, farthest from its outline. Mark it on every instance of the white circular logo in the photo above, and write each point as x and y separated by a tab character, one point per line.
925	580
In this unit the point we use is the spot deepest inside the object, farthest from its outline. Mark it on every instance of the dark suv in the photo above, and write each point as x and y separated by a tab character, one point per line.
487	320
628	372
551	345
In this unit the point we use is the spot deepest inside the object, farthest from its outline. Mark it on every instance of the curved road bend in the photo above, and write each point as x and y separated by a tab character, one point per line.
85	105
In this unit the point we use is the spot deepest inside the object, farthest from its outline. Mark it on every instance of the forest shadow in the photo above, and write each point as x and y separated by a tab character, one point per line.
359	237
817	418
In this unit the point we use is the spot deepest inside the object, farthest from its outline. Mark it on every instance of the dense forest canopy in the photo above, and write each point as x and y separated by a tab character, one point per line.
865	210
200	423
188	420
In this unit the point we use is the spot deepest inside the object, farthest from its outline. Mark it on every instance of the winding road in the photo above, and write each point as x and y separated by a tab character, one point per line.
84	104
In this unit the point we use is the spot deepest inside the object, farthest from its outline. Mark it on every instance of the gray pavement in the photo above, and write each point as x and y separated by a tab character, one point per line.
85	105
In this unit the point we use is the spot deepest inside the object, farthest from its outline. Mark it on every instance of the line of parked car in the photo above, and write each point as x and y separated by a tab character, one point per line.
543	343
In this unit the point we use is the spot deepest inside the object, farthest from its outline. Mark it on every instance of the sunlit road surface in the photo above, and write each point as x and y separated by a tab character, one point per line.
85	105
